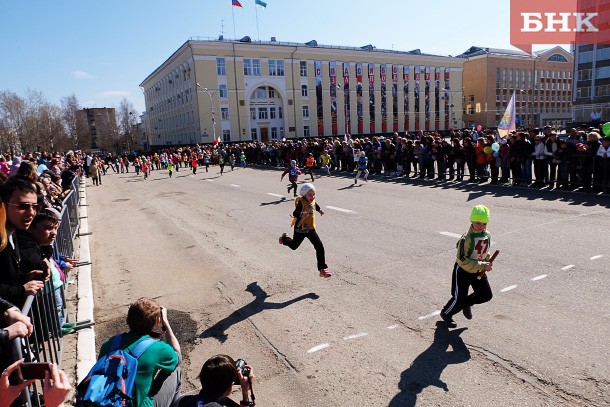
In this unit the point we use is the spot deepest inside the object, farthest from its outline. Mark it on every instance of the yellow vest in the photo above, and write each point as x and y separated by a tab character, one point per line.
307	220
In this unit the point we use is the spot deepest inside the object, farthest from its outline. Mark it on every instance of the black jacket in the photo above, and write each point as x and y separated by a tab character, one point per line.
11	279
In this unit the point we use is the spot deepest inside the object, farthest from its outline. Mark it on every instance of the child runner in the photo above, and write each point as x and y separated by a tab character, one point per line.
470	267
362	164
206	160
309	163
170	167
194	163
232	161
293	176
145	168
304	221
221	163
326	161
242	159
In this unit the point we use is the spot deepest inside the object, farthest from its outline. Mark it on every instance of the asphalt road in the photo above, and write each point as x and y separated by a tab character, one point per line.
207	247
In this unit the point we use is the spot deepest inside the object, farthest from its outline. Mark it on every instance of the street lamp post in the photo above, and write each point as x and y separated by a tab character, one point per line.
211	108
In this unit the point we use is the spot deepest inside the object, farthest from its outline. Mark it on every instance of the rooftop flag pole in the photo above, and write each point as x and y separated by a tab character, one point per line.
234	3
259	4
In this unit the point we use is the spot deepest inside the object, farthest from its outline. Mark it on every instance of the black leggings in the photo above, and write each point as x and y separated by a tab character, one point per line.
293	184
461	281
313	237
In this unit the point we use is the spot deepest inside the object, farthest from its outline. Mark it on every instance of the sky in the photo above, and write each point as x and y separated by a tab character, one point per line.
102	50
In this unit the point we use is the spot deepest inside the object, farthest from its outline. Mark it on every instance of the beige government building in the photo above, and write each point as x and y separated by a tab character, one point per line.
241	90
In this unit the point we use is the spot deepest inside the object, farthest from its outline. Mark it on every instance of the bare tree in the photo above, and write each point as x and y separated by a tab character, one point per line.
127	118
12	115
75	123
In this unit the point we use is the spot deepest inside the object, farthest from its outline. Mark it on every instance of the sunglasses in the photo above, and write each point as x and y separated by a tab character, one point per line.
25	206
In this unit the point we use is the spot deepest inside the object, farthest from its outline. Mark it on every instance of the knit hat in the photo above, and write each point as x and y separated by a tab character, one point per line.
480	213
305	188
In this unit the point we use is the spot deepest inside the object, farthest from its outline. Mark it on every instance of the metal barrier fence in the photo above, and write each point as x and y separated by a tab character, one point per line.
46	309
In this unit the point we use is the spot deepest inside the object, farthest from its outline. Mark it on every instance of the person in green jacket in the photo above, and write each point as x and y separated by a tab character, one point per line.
470	266
158	376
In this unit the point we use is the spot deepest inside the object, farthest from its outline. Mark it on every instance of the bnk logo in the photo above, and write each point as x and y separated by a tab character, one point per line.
559	22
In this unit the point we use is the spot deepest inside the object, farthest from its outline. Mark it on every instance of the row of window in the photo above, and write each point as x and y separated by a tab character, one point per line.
602	54
516	78
534	98
521	110
267	113
252	67
276	133
600	73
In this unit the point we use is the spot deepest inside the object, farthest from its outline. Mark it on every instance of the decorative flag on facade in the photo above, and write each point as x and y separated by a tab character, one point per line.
260	4
236	3
508	123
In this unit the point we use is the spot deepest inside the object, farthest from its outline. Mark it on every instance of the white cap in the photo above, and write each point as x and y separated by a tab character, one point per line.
305	188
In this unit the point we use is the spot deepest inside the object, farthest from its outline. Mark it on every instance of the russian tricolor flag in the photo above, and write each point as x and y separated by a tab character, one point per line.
236	3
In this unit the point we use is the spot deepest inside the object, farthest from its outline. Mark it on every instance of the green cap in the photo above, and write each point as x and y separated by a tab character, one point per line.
480	213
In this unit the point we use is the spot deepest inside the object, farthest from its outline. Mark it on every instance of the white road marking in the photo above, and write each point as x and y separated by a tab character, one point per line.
597	257
450	234
275	195
569	266
540	277
433	314
355	336
510	287
234	185
340	209
317	348
209	180
392	327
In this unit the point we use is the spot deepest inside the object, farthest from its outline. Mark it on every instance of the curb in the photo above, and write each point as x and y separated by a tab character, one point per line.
85	347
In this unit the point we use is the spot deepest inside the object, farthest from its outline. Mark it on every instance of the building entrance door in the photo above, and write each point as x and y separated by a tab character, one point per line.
264	134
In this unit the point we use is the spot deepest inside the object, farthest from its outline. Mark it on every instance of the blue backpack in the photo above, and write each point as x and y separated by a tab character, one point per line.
110	381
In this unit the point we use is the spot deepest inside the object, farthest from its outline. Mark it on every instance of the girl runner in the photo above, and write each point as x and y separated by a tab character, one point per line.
293	176
304	221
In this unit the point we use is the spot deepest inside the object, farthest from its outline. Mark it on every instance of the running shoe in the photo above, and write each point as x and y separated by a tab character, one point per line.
282	238
325	273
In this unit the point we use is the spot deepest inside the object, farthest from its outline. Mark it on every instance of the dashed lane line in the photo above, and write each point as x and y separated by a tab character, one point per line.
539	277
450	234
209	180
433	314
510	287
392	327
355	336
275	195
599	256
318	348
334	208
234	185
569	266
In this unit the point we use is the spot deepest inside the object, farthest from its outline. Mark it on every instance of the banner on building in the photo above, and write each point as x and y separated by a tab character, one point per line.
405	78
394	98
447	100
319	105
427	98
332	73
437	98
347	109
359	107
372	98
416	96
384	107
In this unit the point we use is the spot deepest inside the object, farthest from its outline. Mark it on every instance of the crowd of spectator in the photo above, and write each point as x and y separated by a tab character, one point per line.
543	158
32	189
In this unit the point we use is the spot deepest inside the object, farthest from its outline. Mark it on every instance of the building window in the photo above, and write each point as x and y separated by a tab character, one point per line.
260	93
276	67
272	114
274	133
471	98
306	132
470	110
263	113
224	113
220	66
504	78
497	77
557	58
254	133
306	111
304	91
252	113
252	67
222	91
477	108
226	136
280	112
271	93
583	92
303	65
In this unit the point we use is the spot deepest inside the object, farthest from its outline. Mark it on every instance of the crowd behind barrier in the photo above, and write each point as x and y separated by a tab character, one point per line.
37	189
577	159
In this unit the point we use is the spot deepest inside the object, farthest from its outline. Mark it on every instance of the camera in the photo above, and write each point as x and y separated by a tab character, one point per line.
241	366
